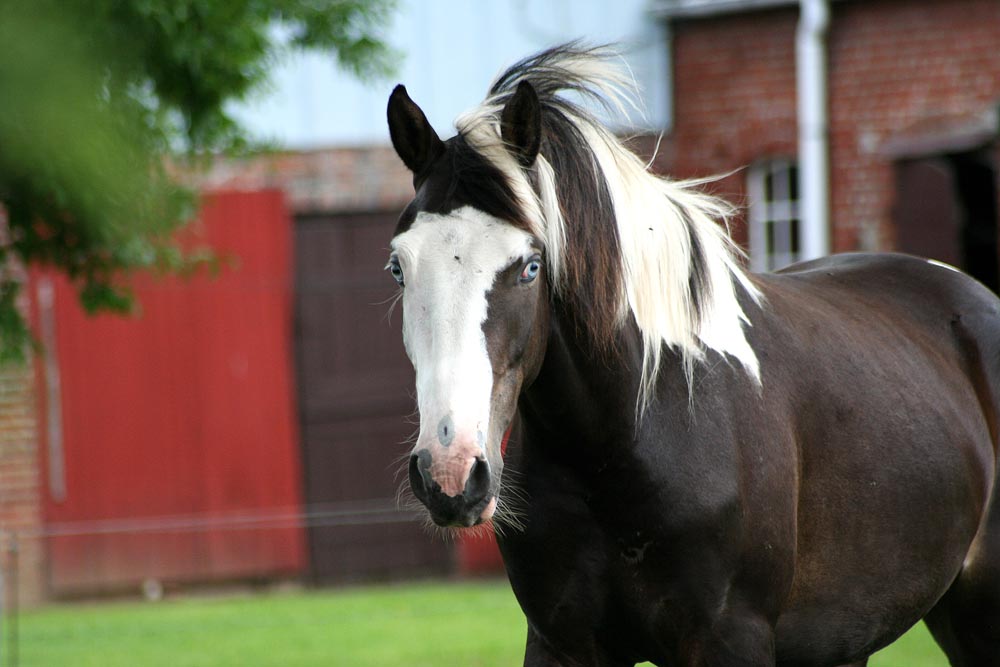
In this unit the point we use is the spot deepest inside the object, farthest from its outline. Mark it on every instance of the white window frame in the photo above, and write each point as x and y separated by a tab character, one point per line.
778	214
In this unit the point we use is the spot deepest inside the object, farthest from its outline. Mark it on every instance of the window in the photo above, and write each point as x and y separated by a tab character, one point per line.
773	188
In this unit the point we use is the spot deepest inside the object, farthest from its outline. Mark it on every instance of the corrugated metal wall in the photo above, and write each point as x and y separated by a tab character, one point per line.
171	446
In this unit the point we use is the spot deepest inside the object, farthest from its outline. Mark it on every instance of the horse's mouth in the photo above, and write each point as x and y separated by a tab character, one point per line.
453	515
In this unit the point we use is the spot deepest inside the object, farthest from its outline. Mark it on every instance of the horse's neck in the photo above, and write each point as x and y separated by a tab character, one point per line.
582	395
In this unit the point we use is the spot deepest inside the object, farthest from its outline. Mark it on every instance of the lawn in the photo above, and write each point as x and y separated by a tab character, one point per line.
416	625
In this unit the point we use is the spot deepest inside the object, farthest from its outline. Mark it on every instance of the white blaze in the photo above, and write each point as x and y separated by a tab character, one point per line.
449	264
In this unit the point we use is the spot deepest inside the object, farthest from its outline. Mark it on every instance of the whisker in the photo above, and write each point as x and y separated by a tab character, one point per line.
402	469
392	301
512	503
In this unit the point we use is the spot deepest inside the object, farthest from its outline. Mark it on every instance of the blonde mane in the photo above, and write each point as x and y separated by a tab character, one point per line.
676	271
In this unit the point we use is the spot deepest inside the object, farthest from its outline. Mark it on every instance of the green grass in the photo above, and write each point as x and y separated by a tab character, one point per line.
914	649
416	625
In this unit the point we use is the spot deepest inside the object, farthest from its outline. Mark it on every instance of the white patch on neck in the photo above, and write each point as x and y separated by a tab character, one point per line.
449	264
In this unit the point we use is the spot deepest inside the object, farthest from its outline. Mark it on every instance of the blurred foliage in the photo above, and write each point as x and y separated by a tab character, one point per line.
101	97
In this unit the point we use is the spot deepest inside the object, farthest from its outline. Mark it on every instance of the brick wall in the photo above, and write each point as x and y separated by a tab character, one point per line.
734	97
20	473
333	180
897	68
900	68
20	485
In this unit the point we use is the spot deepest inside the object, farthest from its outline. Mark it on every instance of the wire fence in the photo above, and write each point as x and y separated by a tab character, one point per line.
376	512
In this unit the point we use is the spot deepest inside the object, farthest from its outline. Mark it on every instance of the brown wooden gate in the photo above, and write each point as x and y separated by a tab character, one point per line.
355	386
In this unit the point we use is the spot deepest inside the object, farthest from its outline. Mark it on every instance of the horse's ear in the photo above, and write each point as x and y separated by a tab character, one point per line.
415	141
521	124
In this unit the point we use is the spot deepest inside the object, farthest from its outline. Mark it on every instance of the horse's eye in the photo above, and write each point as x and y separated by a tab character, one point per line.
530	270
395	269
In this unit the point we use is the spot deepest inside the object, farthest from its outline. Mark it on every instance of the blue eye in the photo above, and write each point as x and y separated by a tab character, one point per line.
395	269
530	270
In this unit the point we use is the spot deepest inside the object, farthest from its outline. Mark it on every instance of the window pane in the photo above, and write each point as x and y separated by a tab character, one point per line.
780	177
769	245
775	230
781	210
782	242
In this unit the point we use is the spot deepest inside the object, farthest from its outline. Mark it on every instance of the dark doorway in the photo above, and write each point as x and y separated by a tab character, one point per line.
355	385
946	209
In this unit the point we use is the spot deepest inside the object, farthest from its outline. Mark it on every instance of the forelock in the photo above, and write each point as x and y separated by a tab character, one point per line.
461	177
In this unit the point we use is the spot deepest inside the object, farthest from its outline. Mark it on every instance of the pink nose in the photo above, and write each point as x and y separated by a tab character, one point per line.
450	470
453	454
456	489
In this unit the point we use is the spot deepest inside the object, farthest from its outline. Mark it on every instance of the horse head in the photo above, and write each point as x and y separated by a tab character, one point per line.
474	300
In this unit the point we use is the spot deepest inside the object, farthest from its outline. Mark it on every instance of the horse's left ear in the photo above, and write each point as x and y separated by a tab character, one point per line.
521	124
415	141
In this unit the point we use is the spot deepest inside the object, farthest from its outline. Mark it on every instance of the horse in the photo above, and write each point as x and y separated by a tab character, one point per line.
704	466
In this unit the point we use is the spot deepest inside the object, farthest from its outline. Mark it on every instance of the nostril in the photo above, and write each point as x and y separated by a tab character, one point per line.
420	475
478	484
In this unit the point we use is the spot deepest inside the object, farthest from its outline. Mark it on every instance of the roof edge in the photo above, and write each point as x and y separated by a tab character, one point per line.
672	9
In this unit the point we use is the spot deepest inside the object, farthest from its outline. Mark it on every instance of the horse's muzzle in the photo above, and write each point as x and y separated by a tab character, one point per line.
457	510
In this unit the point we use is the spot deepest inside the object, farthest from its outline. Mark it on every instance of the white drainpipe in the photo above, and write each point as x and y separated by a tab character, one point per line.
814	166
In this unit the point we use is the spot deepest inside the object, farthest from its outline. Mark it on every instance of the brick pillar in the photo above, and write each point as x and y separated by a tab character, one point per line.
20	472
20	486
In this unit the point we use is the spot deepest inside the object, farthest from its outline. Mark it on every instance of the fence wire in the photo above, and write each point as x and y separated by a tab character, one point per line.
319	515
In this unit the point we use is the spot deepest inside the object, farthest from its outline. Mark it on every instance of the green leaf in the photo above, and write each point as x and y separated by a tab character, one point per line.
105	101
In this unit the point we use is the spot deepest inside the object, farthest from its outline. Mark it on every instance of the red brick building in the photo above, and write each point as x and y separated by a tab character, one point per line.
83	542
912	88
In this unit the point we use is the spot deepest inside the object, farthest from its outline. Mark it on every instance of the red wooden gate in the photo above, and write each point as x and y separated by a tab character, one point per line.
171	449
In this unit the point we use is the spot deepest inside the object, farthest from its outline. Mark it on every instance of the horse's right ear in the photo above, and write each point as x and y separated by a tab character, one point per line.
415	141
521	124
